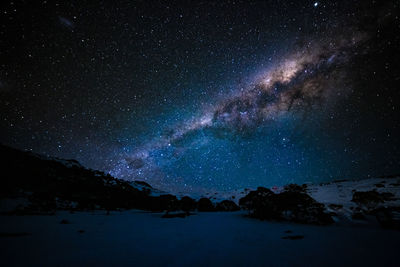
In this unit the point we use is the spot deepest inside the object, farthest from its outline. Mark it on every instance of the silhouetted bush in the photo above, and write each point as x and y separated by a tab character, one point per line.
205	204
227	205
187	204
249	201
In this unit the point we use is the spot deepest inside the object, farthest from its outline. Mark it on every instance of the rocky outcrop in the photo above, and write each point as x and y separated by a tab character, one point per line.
296	188
371	197
292	206
381	205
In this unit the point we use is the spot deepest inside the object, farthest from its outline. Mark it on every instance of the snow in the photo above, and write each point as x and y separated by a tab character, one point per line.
337	192
152	191
342	192
141	238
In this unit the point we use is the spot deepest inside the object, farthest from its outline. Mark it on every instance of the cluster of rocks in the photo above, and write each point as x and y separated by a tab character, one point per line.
373	203
371	197
293	204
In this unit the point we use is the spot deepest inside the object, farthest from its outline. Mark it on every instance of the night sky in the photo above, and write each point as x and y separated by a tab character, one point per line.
205	96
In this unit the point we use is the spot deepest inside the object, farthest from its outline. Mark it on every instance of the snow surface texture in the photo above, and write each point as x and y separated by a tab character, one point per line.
337	192
138	238
341	193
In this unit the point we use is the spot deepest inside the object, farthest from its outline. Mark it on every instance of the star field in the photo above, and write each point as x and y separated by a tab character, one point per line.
205	96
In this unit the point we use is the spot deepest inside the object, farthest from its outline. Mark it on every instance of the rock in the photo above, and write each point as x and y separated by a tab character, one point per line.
205	204
227	205
295	188
289	205
371	197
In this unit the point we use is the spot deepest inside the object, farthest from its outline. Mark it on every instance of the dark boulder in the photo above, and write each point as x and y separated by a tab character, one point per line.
296	188
371	197
227	205
288	205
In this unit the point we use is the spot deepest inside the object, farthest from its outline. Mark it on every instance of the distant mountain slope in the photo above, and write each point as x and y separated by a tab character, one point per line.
32	183
51	183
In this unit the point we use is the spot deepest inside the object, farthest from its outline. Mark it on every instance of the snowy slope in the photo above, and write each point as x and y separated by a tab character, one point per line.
142	186
336	192
342	192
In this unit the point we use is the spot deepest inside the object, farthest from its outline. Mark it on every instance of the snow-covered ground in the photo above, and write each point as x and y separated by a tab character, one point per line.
152	191
337	192
137	238
342	192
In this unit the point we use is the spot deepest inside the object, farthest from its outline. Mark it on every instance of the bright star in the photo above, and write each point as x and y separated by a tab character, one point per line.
315	4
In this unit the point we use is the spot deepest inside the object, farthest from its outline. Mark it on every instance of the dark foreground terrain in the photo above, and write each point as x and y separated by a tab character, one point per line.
136	238
55	212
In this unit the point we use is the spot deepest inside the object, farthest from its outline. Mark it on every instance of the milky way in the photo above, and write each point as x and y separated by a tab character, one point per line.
207	95
306	80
